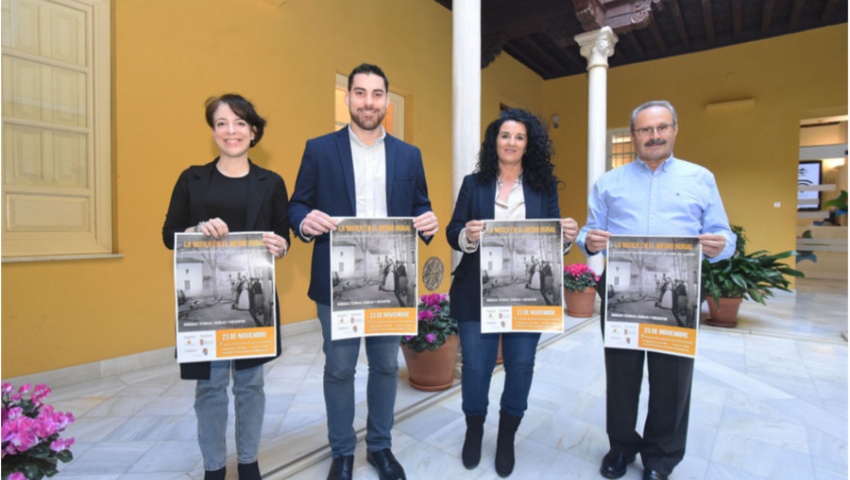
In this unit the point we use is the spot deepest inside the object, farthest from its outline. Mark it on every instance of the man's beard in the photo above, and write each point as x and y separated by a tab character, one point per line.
372	124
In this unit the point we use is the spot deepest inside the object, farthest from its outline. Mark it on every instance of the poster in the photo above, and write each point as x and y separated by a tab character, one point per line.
522	264
225	297
653	286
373	277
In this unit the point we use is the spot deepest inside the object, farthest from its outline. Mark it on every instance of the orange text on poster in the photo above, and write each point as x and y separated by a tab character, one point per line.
536	319
246	342
676	340
390	320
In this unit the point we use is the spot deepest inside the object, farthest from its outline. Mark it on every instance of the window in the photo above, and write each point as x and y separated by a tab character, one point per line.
393	122
56	188
620	149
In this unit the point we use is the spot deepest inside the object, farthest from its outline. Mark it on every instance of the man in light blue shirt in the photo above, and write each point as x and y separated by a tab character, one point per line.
657	194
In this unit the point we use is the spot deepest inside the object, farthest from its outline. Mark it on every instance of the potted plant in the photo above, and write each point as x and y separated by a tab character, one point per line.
750	276
31	446
580	282
431	353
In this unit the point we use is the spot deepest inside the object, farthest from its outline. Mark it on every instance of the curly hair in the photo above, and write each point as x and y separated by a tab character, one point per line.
537	166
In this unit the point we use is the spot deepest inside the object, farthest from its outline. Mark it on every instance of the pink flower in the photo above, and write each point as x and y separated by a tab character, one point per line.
13	413
7	389
39	393
426	315
58	445
431	337
17	476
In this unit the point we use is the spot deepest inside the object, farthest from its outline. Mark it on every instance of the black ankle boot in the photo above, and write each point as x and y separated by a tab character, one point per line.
472	443
249	471
508	425
215	474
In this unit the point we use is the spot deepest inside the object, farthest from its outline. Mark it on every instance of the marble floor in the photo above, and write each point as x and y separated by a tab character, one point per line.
769	402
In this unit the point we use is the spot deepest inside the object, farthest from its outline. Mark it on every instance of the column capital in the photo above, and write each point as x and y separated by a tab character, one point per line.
597	46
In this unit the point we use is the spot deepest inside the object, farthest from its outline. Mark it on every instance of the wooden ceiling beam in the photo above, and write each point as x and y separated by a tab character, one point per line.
766	15
737	20
827	10
796	11
680	24
635	44
534	63
656	35
708	20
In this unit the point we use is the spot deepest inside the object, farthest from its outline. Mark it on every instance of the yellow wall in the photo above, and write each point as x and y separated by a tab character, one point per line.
752	150
169	56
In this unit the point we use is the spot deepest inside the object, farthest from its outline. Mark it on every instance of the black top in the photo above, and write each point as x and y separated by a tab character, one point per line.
226	199
256	202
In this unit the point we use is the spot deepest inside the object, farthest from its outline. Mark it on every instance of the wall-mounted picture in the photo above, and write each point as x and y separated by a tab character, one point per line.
809	174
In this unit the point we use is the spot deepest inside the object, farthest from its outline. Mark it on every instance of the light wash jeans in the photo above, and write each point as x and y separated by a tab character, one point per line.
381	387
211	410
479	353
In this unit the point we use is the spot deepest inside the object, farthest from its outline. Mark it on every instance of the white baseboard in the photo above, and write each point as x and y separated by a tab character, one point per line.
121	365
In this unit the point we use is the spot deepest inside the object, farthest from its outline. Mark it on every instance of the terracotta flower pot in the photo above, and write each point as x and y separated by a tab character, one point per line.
432	370
580	304
724	315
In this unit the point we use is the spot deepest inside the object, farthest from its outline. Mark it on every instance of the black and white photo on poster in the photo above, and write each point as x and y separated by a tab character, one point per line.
652	279
373	263
522	263
223	283
373	267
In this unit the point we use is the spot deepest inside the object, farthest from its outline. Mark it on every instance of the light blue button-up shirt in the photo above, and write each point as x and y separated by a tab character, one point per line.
679	198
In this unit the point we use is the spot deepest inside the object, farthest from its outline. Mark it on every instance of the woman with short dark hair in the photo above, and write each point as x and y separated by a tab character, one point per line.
230	194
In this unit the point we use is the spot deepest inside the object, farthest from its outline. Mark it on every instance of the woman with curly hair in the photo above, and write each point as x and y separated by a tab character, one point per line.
514	180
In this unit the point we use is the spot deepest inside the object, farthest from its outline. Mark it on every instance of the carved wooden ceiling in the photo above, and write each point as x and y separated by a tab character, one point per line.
540	33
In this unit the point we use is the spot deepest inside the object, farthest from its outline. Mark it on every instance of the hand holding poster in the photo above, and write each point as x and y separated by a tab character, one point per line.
373	277
225	297
521	280
652	299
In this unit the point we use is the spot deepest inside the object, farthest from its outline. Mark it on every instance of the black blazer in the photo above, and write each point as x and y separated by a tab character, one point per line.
266	211
476	201
326	182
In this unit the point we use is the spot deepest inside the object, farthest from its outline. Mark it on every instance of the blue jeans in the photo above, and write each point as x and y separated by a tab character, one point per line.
479	353
340	363
211	410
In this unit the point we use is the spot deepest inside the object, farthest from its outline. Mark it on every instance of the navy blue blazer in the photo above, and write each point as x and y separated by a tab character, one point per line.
326	182
265	211
476	201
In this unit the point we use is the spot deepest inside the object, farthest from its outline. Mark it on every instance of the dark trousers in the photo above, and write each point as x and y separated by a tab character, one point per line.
665	431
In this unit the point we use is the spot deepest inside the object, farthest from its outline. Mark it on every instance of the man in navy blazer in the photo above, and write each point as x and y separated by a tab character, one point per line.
364	172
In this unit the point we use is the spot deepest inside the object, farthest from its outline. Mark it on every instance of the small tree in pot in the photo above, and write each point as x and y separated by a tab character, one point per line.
750	276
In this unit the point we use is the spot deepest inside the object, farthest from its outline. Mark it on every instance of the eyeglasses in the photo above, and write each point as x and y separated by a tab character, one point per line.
662	129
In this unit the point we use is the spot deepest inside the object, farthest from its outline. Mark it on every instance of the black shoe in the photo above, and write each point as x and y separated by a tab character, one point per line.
386	464
650	474
215	474
342	468
249	471
508	425
614	464
471	453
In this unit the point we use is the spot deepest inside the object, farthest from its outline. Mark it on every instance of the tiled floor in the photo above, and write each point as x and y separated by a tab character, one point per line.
769	402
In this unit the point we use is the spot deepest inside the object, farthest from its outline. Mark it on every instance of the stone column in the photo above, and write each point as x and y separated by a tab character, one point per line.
596	47
466	93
